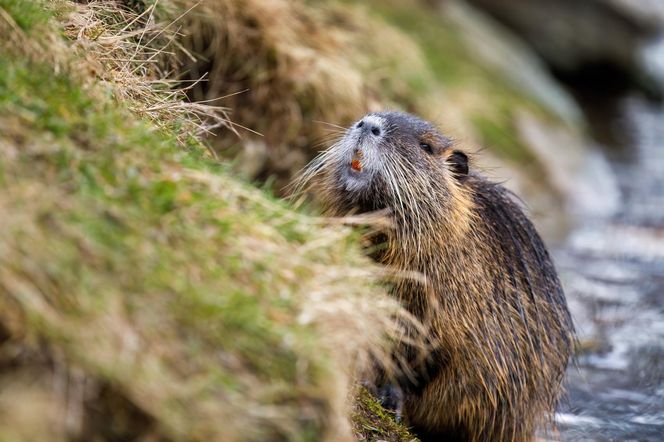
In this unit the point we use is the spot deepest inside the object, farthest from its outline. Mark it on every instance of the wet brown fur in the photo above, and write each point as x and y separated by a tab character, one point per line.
498	328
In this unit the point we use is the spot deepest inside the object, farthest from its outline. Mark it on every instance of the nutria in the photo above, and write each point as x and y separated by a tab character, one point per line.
493	313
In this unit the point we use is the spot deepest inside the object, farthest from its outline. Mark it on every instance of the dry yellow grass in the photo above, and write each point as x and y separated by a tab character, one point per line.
295	73
134	55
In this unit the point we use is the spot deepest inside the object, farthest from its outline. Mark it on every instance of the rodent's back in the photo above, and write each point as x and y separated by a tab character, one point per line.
502	325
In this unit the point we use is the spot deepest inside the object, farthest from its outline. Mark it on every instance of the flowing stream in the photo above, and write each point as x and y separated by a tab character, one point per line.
613	272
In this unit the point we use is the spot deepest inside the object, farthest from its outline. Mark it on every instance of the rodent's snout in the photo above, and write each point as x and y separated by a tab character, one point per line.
370	125
360	156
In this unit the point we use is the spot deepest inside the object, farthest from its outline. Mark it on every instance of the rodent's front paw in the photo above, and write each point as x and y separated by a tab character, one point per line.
390	397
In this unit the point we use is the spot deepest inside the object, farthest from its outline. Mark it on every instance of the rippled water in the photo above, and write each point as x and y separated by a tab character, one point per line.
613	272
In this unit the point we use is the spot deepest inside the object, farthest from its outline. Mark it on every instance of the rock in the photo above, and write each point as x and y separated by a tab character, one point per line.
648	12
497	47
653	60
573	36
575	169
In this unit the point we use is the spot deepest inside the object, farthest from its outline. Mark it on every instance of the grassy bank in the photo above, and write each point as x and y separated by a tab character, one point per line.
146	292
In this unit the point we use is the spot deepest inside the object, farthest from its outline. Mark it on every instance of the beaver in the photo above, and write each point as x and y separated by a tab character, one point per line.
493	313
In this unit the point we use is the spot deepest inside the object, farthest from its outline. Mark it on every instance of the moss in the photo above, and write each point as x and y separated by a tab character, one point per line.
48	103
27	14
500	137
371	422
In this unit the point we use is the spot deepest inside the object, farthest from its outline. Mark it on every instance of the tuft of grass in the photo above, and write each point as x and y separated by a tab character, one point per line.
146	292
128	49
371	422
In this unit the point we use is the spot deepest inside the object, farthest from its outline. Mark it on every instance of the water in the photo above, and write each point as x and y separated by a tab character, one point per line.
612	268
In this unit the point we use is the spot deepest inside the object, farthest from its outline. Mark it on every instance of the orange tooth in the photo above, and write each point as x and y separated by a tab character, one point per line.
356	165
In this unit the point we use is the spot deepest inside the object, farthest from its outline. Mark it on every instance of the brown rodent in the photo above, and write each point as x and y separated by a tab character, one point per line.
495	317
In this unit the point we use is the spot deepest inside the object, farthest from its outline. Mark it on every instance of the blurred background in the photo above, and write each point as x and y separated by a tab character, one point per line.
560	99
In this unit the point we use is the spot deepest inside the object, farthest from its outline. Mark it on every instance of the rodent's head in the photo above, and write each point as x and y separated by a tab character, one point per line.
389	160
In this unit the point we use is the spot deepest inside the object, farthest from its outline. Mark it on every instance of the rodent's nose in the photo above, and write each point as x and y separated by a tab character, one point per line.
370	125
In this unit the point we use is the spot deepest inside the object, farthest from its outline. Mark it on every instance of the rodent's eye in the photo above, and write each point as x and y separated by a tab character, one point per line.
426	147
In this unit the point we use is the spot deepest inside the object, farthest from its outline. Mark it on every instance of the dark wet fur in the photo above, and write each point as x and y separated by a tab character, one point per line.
516	249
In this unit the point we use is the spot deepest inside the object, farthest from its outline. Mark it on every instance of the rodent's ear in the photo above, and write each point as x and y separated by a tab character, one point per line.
458	162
